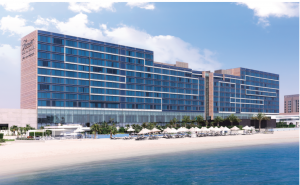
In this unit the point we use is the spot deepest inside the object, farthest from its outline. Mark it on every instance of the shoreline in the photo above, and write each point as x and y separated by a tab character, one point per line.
18	159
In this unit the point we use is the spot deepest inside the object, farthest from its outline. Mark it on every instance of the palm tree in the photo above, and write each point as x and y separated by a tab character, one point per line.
218	119
127	126
174	120
144	125
111	120
199	119
186	119
260	116
95	128
232	118
13	129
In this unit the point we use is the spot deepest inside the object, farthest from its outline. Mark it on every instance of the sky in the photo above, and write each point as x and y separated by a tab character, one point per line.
209	36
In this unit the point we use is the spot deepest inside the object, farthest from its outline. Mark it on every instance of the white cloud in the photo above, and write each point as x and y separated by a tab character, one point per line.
15	25
166	48
144	5
263	10
10	69
88	7
16	7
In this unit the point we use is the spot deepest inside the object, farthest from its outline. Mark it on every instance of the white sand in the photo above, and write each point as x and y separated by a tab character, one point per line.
18	158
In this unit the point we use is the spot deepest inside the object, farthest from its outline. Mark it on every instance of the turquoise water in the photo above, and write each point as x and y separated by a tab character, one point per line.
264	164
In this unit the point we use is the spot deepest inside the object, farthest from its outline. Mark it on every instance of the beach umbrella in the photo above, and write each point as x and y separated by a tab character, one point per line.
226	129
246	128
204	129
182	129
144	131
211	128
173	130
130	129
234	128
167	130
216	129
193	129
155	130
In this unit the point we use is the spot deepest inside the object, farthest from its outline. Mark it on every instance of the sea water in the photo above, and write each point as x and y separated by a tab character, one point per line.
262	164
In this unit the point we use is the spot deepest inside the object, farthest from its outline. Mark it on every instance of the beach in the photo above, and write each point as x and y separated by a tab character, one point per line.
20	158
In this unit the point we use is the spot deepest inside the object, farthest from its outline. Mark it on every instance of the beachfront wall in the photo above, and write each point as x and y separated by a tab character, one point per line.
74	116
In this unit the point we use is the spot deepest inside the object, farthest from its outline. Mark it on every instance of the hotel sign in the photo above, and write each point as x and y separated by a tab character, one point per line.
28	49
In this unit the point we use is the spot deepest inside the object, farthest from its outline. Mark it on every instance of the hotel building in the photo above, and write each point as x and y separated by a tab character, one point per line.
76	80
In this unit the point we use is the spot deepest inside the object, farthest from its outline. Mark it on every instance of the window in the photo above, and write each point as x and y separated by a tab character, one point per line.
149	69
130	67
111	50
58	41
44	71
44	38
140	100
148	75
130	106
57	88
44	47
44	55
130	60
71	96
83	104
112	105
157	100
112	78
44	79
97	69
111	57
43	63
158	77
71	74
112	91
130	93
58	80
83	45
112	98
129	73
148	63
166	101
83	82
130	53
148	100
83	97
149	88
157	82
71	81
148	56
165	78
71	43
110	84
83	89
57	57
71	89
140	55
140	87
96	76
71	104
112	64
57	103
131	80
58	65
98	98
83	53
43	103
97	55
58	49
71	59
129	86
139	61
140	68
130	99
71	66
71	51
141	75
112	71
58	73
96	83
57	95
141	81
43	95
97	48
43	87
149	82
139	93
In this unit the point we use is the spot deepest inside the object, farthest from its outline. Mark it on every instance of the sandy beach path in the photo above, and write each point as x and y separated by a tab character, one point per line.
19	158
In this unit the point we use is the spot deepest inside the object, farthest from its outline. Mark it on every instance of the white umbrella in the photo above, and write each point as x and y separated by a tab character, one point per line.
182	129
246	128
193	129
217	129
211	128
167	130
155	130
144	131
204	129
226	129
173	130
130	130
234	128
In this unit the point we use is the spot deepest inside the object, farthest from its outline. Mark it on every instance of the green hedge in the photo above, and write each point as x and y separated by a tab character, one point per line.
1	135
37	134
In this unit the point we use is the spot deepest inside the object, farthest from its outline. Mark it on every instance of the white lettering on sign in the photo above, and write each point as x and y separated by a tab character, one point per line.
27	49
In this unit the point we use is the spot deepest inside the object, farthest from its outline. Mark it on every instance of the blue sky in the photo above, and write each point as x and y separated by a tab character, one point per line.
209	36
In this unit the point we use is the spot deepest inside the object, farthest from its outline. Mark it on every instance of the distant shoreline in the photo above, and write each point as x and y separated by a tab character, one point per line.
23	158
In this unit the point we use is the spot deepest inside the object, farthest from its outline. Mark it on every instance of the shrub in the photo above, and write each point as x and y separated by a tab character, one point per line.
36	134
1	135
2	140
122	130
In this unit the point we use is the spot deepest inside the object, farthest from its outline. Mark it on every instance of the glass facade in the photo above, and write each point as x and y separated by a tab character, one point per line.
84	80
